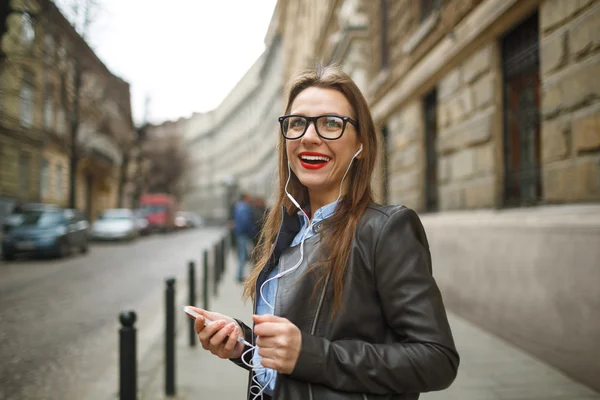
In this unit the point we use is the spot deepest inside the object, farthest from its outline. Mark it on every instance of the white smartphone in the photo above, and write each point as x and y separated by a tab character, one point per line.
207	321
194	314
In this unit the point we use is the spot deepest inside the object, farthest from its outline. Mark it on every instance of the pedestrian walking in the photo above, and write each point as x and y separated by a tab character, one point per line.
244	229
344	299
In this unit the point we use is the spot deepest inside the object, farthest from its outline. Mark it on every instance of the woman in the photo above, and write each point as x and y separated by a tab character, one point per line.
345	303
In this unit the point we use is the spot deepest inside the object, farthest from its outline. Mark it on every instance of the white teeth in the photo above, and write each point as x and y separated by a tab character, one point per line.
315	158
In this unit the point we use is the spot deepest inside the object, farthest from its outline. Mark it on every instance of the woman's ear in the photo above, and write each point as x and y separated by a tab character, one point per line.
358	153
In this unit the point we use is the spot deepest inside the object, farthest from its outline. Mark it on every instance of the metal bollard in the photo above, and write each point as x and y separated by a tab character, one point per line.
127	357
170	338
223	253
205	281
216	270
192	299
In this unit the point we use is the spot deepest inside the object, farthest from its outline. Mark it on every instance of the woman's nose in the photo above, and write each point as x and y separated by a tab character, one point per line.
311	135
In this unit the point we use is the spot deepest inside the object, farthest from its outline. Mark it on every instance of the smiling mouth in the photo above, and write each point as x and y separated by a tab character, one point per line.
314	162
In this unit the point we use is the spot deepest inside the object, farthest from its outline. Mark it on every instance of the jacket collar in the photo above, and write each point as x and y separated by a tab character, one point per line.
290	226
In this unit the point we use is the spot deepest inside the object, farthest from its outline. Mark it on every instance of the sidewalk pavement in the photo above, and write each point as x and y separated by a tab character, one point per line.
198	374
491	369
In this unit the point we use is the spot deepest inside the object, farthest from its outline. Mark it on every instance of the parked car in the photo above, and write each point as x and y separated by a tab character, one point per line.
142	222
115	224
160	211
186	220
181	221
194	220
44	229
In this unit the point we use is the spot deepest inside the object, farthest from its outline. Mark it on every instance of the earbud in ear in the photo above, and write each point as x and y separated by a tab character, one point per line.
359	150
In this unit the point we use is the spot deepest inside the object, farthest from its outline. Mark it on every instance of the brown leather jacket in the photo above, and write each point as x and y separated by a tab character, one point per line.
390	339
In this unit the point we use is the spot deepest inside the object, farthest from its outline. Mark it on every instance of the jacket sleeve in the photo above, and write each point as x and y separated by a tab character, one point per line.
246	355
424	358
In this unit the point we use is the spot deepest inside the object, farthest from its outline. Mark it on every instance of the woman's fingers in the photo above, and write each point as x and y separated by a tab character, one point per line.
209	330
198	325
231	341
220	336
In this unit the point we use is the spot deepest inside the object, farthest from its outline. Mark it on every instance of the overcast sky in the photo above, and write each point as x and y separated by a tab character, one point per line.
186	55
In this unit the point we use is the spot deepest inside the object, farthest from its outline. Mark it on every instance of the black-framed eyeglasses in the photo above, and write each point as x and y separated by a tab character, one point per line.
328	126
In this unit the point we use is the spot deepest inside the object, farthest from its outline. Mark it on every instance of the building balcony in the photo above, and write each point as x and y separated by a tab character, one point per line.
103	146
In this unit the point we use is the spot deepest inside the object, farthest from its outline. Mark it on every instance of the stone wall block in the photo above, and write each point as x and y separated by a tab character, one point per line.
405	158
554	13
581	86
553	52
475	130
584	36
403	138
569	181
444	169
484	91
444	119
555	143
461	105
446	143
450	83
480	195
586	133
479	63
451	197
463	164
405	180
485	158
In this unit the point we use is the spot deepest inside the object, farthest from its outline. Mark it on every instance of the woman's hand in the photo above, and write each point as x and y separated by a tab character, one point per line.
214	336
278	342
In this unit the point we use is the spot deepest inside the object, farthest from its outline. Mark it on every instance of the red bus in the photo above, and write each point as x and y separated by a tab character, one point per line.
159	209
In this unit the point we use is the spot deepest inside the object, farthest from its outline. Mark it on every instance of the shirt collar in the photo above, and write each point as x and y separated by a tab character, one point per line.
322	213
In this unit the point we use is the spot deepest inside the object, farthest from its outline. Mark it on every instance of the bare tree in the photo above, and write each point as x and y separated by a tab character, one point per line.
81	18
168	165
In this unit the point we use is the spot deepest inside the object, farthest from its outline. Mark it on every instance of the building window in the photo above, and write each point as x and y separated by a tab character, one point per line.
24	161
48	49
48	111
61	55
431	159
520	68
427	7
45	177
26	95
27	29
61	122
385	56
59	181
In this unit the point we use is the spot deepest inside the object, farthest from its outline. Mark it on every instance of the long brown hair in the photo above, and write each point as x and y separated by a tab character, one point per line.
338	230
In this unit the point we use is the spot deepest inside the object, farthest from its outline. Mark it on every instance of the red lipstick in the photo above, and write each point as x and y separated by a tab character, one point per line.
314	164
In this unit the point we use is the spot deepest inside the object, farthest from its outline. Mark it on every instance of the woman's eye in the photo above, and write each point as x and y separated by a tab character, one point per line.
333	123
297	123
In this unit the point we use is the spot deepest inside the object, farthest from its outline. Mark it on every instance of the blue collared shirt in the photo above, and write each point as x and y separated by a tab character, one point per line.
269	291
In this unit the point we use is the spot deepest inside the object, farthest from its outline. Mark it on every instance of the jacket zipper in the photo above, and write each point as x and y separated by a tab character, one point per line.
314	325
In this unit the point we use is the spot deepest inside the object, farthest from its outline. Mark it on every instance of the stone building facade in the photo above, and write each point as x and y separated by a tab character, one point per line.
39	49
488	114
232	148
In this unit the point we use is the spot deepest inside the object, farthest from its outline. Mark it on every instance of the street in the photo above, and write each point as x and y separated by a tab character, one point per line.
59	329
